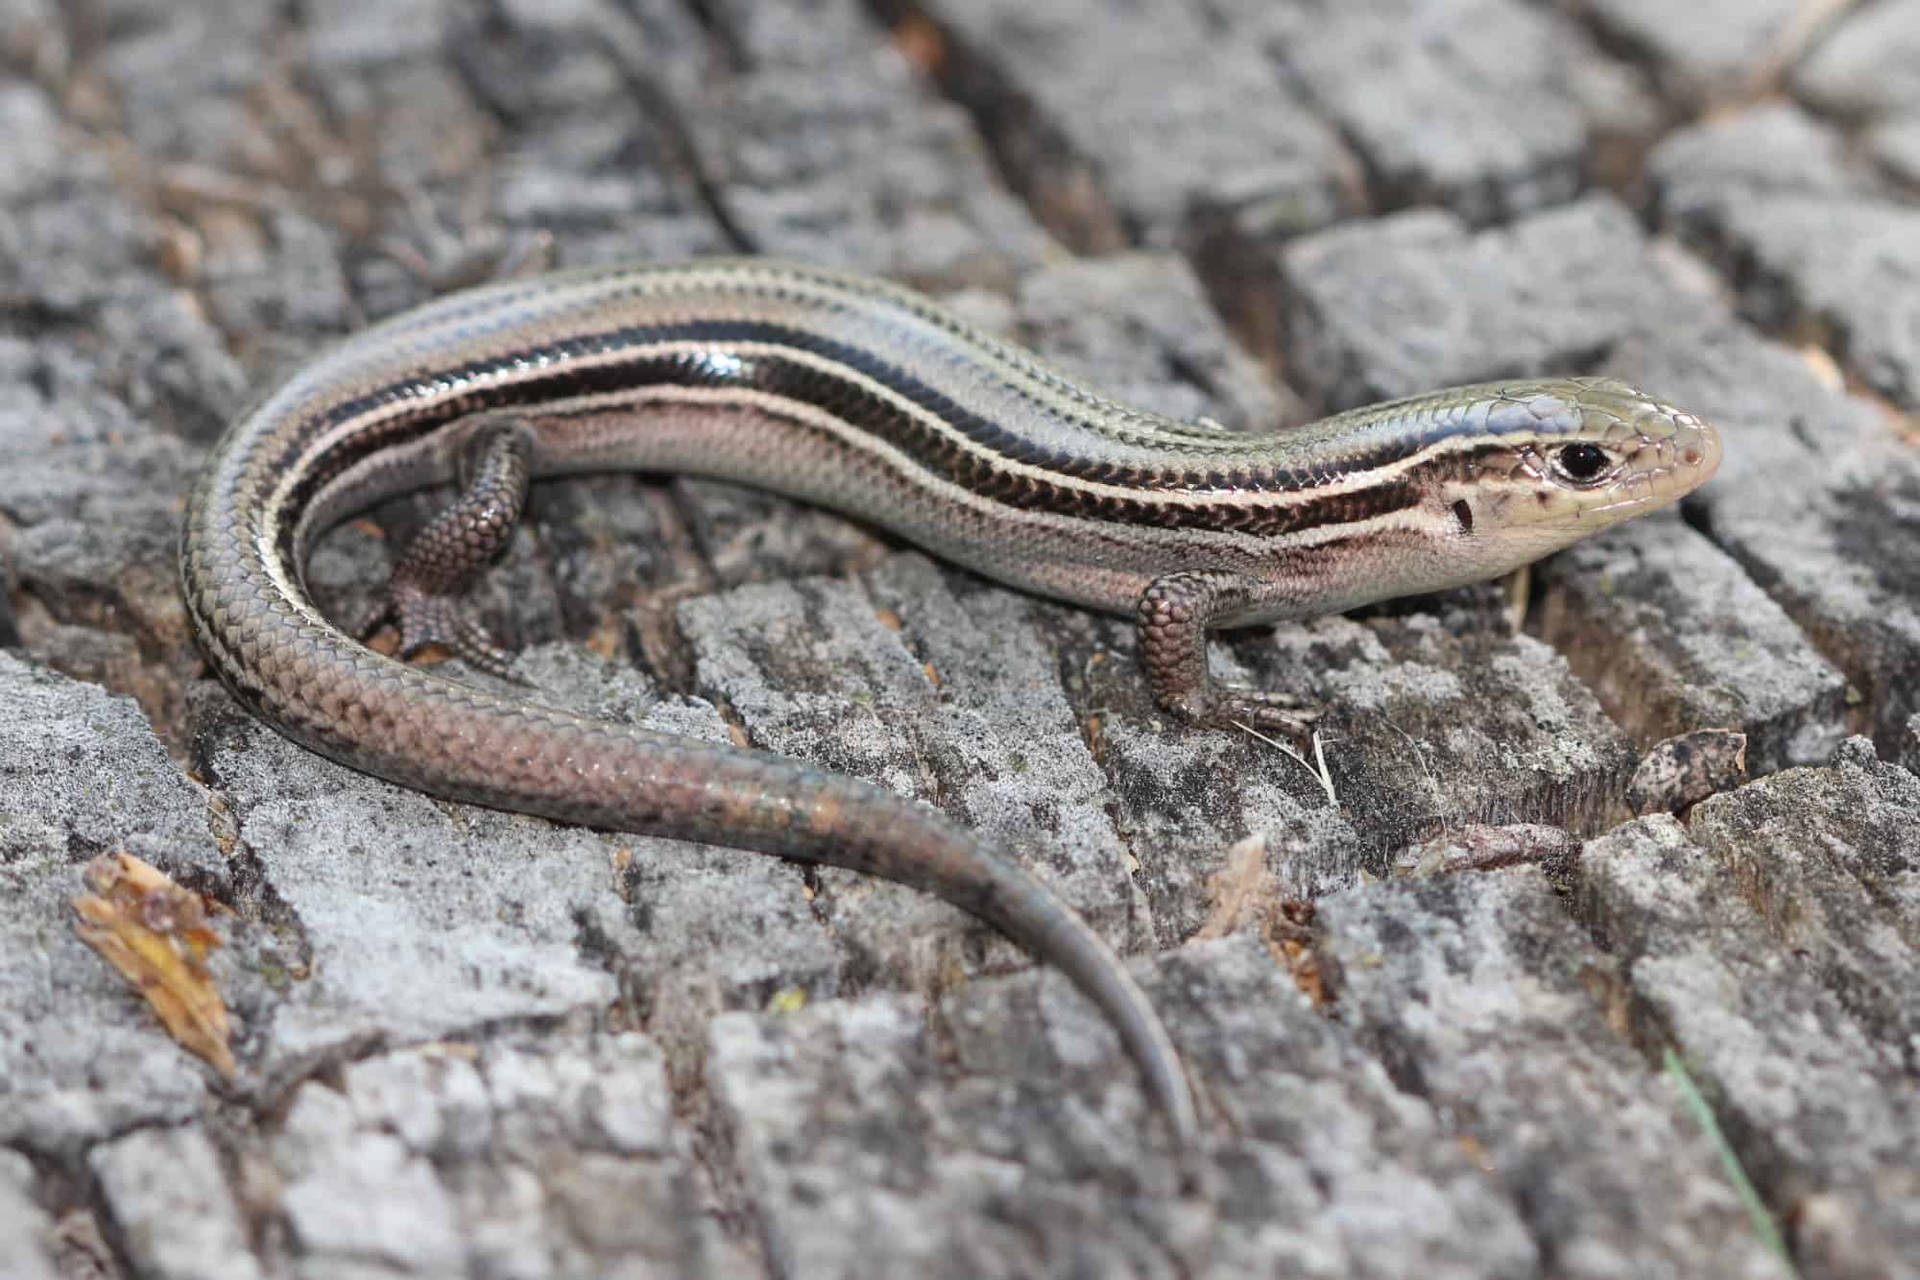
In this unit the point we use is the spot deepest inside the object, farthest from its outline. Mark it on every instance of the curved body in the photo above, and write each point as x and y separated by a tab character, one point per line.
866	398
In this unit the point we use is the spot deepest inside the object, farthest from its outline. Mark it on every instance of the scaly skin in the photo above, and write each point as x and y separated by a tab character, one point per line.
866	398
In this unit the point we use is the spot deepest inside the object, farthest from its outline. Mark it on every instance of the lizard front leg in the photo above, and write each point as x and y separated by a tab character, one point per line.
1175	613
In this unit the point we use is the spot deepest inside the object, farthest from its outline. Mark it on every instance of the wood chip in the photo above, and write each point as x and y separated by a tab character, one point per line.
156	934
1681	772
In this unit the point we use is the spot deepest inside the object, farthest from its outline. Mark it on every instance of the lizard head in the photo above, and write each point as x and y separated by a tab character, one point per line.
1555	460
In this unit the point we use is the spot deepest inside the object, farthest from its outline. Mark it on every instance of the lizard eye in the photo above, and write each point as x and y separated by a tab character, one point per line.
1581	463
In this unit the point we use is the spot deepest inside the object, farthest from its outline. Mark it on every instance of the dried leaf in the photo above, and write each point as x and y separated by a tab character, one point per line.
156	934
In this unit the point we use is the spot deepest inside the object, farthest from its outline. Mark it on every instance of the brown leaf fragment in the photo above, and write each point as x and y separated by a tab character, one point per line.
1245	894
156	934
1241	892
80	1249
1681	772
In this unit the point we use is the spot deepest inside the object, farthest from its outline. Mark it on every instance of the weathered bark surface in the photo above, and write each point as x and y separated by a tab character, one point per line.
479	1044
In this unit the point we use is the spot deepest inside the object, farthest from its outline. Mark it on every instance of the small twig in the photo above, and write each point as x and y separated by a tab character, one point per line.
1326	776
1433	783
1810	21
1320	775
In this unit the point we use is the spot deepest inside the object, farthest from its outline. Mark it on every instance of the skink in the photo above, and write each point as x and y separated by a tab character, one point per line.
867	398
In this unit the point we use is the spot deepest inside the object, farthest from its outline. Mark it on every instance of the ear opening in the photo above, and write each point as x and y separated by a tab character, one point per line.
1463	512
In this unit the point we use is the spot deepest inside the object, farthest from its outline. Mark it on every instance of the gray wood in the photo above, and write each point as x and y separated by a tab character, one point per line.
478	1044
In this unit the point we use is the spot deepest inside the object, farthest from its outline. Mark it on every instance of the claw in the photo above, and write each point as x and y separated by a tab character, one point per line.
1234	706
429	619
1249	707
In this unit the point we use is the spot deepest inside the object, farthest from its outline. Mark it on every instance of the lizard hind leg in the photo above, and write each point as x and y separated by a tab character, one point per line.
427	593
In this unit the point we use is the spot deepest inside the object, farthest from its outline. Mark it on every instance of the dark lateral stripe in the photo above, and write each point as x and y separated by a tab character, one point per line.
975	461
